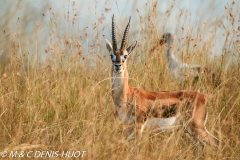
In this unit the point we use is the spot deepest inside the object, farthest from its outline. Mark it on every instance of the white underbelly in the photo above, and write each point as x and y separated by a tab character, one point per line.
160	124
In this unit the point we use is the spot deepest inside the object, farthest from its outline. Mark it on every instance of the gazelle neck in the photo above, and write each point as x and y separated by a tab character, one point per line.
169	47
170	56
120	87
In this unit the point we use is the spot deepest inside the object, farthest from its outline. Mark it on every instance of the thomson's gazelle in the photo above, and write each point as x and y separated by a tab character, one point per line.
138	108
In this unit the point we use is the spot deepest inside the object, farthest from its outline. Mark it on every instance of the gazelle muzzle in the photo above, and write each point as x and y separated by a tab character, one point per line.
118	67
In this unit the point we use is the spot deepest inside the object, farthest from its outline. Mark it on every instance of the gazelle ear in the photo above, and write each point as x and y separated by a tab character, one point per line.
108	45
131	47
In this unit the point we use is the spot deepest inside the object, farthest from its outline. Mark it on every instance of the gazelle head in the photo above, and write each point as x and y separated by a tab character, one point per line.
119	56
167	37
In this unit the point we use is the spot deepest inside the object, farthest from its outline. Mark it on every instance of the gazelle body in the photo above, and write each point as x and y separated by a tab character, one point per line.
138	108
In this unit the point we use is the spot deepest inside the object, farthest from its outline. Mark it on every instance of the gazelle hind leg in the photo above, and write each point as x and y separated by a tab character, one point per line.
206	137
213	141
193	135
211	138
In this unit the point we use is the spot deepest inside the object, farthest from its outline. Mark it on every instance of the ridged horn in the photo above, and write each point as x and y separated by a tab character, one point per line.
125	35
114	41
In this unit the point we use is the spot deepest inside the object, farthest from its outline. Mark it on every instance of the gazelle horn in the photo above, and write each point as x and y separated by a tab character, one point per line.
114	41
125	35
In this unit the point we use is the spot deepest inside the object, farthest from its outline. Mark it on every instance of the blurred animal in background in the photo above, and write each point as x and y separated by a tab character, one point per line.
179	70
183	72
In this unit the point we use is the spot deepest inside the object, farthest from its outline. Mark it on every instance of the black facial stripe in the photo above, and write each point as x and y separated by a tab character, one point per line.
113	58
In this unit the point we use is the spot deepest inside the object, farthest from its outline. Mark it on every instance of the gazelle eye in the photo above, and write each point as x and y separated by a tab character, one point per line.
111	56
125	56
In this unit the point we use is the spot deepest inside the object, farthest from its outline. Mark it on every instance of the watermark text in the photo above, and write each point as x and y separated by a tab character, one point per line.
42	154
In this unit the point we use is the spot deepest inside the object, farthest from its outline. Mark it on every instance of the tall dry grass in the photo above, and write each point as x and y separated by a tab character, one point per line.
60	99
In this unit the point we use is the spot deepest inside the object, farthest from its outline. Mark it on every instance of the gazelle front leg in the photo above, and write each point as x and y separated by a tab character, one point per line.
128	131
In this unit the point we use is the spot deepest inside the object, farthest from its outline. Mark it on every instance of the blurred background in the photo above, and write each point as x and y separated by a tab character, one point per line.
38	26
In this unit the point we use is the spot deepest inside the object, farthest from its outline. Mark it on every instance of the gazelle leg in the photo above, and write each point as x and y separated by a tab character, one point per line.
128	131
206	137
140	132
193	134
213	140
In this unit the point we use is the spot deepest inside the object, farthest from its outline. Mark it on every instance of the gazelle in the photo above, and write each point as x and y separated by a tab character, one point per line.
183	71
138	108
179	70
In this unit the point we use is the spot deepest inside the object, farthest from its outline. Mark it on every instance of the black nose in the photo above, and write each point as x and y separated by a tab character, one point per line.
118	67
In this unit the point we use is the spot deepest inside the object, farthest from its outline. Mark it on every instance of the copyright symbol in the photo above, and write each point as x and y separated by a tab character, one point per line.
4	154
